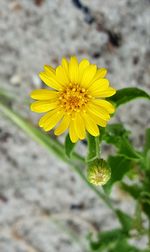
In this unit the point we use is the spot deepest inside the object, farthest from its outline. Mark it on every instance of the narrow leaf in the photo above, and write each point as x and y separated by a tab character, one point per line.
93	148
69	146
117	135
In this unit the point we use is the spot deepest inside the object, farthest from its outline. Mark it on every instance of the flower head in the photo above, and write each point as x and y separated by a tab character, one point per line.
99	172
75	100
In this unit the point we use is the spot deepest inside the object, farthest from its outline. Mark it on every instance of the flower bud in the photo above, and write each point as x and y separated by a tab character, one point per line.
98	172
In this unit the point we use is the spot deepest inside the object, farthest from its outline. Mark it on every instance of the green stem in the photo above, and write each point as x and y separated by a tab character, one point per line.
97	147
53	146
6	95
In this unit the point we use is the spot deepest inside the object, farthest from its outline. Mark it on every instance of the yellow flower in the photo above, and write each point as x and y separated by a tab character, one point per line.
75	100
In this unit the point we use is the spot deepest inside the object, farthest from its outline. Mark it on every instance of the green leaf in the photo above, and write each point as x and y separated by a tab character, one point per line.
117	135
125	95
106	239
110	235
125	220
113	241
69	146
119	167
93	148
123	246
116	130
127	150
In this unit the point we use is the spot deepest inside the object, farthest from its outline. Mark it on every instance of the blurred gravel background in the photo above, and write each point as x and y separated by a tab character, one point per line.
34	186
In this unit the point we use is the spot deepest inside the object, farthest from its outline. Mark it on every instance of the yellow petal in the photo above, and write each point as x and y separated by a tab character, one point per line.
43	106
43	94
79	126
90	125
106	93
50	80
105	104
63	126
73	69
43	119
101	73
61	76
82	66
49	69
65	65
98	86
88	75
52	120
99	111
99	121
72	132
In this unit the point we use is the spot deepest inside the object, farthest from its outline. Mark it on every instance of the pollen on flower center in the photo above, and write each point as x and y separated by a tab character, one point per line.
73	98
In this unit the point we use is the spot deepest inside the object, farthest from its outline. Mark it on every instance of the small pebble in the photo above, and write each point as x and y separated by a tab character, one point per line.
15	79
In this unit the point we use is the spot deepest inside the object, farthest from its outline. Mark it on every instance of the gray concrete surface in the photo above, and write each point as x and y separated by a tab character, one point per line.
35	188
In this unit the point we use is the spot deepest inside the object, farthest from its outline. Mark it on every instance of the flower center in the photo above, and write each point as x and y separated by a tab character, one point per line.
73	98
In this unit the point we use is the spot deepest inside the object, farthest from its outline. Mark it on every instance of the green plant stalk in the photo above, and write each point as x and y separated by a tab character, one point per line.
9	96
53	146
93	154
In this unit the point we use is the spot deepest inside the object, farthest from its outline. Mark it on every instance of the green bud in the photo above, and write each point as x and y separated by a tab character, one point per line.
98	172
